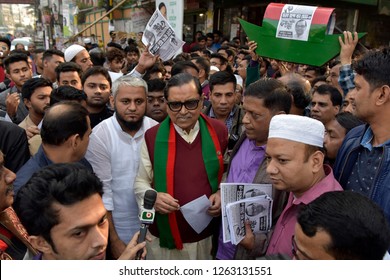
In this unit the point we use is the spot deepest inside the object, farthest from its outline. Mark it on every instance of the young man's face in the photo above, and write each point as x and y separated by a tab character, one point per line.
364	99
156	107
82	231
116	65
39	101
223	99
132	57
97	88
130	106
334	137
70	78
19	73
4	50
322	108
50	64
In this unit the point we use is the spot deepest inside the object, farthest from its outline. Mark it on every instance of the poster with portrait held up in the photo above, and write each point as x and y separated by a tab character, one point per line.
296	33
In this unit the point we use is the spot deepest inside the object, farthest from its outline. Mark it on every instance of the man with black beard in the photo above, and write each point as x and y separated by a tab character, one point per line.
114	152
97	84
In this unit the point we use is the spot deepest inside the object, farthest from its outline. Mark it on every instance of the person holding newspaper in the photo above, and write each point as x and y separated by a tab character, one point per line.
295	163
263	100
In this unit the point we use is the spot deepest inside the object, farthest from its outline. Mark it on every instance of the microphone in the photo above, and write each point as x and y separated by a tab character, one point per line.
146	217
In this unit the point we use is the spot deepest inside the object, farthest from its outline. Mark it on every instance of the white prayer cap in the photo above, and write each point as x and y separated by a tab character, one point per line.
72	51
297	128
87	41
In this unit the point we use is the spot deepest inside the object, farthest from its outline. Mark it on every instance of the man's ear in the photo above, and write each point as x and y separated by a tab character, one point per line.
39	243
27	103
384	95
317	160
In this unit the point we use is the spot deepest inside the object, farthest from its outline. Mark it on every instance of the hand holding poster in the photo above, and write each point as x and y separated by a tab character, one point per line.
256	210
237	192
161	37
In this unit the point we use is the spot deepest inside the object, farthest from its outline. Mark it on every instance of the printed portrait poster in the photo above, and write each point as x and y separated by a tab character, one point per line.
295	22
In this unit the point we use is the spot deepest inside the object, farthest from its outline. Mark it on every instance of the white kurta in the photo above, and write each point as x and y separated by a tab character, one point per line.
114	156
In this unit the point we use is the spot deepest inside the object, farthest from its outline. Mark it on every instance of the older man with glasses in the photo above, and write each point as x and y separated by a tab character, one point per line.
182	159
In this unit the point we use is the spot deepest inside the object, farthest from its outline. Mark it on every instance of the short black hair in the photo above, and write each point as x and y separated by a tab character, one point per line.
62	183
57	127
115	53
96	70
69	93
115	45
132	48
335	95
13	58
181	66
6	41
273	93
357	226
301	99
49	54
222	78
203	63
156	85
68	67
180	80
374	66
32	84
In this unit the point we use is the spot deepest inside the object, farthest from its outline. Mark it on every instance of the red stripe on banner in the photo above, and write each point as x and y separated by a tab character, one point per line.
321	15
170	189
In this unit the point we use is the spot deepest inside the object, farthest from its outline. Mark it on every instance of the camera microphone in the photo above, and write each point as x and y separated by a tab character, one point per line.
146	217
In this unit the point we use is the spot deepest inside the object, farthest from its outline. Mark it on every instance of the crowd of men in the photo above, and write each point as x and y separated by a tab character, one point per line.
86	132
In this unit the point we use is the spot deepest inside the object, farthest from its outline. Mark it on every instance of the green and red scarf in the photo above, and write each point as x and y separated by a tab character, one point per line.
164	167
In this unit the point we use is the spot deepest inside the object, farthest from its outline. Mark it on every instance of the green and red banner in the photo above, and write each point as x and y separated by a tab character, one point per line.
296	33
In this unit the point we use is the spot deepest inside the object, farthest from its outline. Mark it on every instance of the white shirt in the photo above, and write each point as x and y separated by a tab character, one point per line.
114	156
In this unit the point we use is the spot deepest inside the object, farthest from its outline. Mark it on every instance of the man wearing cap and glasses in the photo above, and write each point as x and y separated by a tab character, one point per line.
295	163
182	158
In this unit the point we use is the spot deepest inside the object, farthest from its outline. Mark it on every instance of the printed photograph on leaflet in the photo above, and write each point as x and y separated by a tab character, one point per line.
237	192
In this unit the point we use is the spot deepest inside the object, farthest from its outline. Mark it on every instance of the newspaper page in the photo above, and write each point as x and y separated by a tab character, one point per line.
257	210
161	37
232	192
295	22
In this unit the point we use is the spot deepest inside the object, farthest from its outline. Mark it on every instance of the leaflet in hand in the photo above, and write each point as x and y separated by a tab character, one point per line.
232	192
257	210
161	37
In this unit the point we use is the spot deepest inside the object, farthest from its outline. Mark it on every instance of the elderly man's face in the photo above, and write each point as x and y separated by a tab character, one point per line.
187	93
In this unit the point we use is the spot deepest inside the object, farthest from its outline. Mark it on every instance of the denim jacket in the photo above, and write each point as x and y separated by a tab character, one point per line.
346	158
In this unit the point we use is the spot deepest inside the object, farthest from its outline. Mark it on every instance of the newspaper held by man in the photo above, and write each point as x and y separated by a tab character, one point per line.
161	37
232	192
255	210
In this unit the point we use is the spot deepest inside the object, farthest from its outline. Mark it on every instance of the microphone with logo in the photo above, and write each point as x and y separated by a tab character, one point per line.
146	217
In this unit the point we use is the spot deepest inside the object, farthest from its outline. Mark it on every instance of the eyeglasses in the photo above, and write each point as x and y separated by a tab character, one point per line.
295	250
4	48
176	106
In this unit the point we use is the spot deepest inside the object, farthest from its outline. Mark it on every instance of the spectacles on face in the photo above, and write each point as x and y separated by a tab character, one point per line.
295	250
4	48
175	106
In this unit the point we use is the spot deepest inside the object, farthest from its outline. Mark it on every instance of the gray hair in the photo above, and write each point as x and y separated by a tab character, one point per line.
128	81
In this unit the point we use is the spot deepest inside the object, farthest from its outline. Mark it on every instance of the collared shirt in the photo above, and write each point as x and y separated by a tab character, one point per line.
246	162
229	120
189	137
366	166
346	78
115	155
280	242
